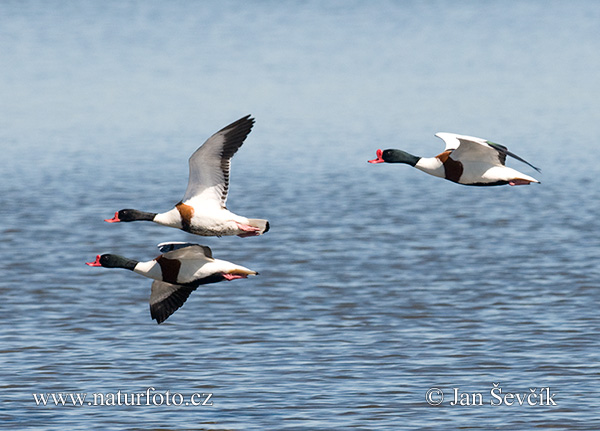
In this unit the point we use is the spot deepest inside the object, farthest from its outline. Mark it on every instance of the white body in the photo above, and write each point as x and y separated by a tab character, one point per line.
481	162
203	211
207	219
179	270
194	266
474	172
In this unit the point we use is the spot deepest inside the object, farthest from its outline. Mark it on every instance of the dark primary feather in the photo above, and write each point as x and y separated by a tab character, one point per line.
234	134
503	152
227	142
166	298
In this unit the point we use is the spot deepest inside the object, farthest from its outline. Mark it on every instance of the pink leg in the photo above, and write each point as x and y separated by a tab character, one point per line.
518	182
251	230
247	228
232	276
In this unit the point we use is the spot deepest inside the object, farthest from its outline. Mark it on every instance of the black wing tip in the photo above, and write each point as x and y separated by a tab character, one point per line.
502	149
497	146
247	121
162	310
524	161
243	126
235	134
159	317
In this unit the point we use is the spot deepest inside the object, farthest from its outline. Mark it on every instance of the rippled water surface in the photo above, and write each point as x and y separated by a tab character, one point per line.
377	282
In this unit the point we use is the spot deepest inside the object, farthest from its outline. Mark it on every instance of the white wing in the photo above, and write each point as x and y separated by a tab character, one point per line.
209	165
475	151
469	148
452	140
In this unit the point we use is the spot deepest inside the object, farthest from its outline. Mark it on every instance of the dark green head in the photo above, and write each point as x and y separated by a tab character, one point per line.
131	215
113	261
395	156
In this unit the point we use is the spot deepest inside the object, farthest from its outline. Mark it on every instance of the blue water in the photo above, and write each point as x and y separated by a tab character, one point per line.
377	282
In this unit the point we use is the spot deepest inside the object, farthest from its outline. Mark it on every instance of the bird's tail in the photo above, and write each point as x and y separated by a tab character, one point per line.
257	227
262	225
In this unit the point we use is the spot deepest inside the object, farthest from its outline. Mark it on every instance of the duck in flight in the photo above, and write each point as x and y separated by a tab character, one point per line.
202	210
177	273
466	160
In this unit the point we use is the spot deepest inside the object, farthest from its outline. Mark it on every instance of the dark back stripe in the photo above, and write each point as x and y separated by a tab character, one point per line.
234	136
169	268
453	169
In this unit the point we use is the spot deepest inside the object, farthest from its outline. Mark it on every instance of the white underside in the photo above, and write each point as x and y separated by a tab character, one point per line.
218	219
484	173
191	270
215	220
474	172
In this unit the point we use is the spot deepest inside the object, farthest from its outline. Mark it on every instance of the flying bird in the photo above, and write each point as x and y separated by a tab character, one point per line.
202	210
177	273
465	160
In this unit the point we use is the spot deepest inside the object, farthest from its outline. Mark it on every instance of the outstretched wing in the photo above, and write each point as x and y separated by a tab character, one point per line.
474	151
209	165
453	140
187	251
166	299
165	247
504	152
470	148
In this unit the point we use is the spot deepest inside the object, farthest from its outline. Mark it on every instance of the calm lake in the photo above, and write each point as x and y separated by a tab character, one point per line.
387	299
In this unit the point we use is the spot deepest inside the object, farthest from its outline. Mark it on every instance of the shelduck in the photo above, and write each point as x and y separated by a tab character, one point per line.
202	210
177	273
466	160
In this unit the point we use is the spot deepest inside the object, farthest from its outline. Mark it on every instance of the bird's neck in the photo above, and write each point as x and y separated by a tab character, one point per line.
116	261
142	215
399	156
